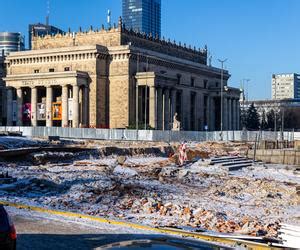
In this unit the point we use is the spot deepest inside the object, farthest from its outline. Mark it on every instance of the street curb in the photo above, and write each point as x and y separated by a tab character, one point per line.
201	236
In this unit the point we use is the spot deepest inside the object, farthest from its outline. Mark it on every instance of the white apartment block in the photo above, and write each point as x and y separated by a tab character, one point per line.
285	86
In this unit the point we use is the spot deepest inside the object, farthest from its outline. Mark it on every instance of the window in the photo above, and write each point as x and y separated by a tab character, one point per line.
67	68
36	71
217	84
192	81
51	70
205	84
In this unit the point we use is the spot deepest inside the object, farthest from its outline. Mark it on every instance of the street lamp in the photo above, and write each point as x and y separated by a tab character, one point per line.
222	88
137	95
247	87
275	115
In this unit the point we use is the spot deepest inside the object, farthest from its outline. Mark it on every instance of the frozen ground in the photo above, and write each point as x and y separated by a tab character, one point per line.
8	142
154	191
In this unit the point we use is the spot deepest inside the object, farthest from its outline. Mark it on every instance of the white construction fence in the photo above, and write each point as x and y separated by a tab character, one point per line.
150	135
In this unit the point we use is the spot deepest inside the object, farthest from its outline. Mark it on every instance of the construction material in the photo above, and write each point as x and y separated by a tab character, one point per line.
289	235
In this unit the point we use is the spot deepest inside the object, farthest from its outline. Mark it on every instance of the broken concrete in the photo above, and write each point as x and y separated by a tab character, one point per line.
154	190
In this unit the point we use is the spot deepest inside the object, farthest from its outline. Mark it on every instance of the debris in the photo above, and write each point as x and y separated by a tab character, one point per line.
155	190
121	159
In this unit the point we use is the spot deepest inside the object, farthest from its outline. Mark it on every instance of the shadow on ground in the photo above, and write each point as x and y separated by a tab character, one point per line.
98	241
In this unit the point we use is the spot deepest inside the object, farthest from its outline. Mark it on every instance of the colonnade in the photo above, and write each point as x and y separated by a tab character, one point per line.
164	102
231	120
194	112
74	112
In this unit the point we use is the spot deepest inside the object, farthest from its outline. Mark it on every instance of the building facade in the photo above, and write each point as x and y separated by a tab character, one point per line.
142	16
285	110
40	29
285	86
116	78
2	93
10	41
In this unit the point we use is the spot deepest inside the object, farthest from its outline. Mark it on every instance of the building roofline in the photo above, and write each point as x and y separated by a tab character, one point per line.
286	74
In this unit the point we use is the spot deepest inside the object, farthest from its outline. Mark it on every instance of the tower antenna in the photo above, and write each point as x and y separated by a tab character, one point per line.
109	18
48	12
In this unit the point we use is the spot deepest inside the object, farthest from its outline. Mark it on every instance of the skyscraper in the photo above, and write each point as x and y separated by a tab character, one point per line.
10	41
143	16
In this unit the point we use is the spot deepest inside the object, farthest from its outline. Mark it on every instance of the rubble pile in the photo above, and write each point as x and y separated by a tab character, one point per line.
156	191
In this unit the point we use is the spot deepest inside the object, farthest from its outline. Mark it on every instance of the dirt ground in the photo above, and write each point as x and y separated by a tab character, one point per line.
154	190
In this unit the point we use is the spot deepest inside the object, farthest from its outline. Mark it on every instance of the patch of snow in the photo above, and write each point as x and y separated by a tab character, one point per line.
120	170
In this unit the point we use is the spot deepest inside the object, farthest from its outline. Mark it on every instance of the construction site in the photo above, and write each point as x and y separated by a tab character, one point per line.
217	187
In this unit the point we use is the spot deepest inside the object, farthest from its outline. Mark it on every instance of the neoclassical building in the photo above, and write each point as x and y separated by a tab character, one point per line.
116	78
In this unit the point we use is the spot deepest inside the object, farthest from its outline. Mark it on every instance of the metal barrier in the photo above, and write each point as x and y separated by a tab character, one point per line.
150	135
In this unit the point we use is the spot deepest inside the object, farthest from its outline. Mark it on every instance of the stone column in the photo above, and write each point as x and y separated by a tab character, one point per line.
86	106
233	115
173	103
64	99
225	114
186	106
166	109
152	107
212	112
159	106
34	106
208	114
230	123
196	106
238	115
19	106
75	106
9	106
199	111
49	96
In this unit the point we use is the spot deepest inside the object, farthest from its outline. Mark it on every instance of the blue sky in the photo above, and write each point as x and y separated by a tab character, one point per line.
259	37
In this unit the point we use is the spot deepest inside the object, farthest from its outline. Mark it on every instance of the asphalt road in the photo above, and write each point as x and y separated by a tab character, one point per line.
43	231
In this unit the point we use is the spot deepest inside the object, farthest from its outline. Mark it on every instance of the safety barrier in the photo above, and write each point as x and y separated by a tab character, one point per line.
150	135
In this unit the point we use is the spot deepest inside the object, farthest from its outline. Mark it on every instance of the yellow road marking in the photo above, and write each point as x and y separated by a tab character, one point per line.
216	239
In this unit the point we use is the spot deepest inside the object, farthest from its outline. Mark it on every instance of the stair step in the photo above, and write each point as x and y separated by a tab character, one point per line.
233	160
236	163
224	158
238	167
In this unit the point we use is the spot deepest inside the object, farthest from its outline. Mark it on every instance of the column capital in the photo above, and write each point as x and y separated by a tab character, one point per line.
173	90
166	89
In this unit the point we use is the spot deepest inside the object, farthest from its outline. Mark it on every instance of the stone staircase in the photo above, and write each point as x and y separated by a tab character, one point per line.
232	163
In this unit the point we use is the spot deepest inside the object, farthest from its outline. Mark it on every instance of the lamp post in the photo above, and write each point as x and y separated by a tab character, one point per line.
222	88
137	96
275	115
247	87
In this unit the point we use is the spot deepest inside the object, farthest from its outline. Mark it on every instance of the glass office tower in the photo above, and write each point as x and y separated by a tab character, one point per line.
10	41
142	15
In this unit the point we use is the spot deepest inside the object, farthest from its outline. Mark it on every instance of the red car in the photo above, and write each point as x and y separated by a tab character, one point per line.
8	235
